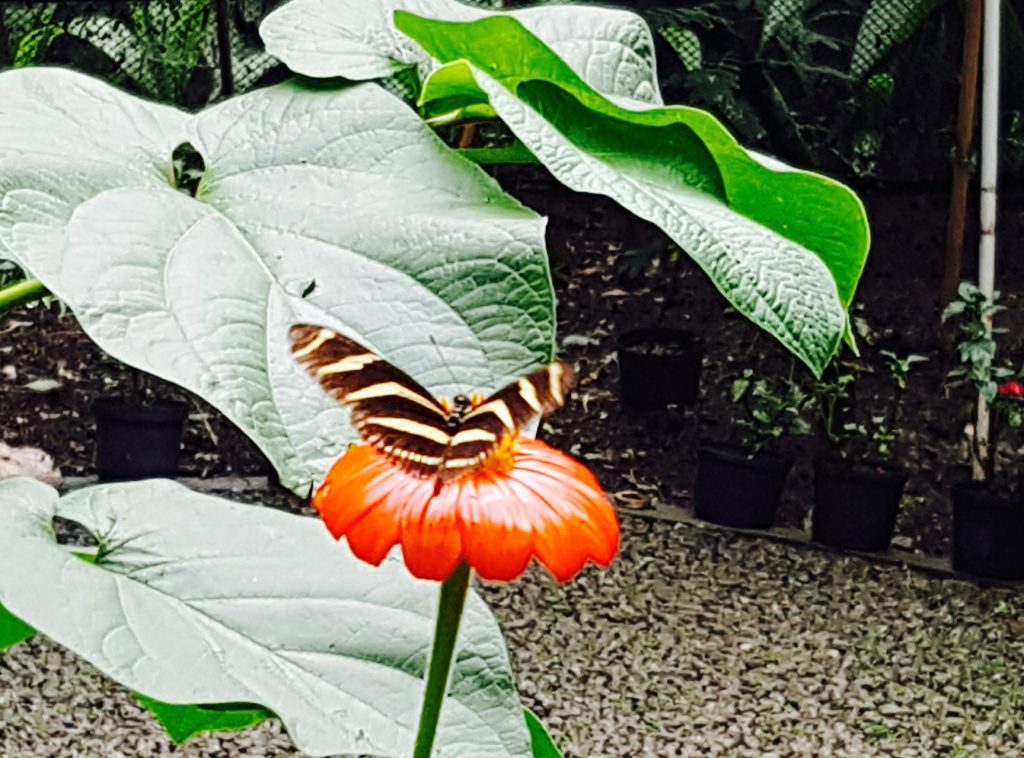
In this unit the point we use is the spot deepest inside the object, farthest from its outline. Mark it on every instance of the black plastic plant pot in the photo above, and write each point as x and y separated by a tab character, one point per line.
659	366
855	505
734	490
138	441
988	532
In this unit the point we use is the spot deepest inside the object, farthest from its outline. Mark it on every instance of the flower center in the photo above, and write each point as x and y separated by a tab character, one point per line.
503	458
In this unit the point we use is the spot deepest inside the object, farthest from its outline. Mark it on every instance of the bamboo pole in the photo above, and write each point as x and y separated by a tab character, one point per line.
989	178
952	267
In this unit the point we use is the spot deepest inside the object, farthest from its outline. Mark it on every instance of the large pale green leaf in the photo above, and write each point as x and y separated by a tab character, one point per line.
786	247
193	599
412	249
611	49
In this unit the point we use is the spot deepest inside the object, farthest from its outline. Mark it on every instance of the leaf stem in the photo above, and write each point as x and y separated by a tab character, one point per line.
473	113
517	153
449	615
23	291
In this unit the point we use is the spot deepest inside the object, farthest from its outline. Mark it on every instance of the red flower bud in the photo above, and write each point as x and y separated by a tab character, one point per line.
1011	389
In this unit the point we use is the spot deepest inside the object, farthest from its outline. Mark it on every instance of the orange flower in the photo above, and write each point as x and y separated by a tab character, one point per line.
528	501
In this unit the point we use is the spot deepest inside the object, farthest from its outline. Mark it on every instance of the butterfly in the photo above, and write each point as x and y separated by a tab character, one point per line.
427	436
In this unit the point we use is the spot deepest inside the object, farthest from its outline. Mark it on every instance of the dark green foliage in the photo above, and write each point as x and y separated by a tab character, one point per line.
162	49
775	408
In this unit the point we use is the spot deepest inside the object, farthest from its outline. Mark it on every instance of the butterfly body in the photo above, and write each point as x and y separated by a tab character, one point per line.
422	434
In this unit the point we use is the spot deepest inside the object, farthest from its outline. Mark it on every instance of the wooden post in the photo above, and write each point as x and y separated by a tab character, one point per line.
961	160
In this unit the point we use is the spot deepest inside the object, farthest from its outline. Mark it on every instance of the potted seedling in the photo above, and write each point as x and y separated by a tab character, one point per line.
988	511
137	434
857	489
740	483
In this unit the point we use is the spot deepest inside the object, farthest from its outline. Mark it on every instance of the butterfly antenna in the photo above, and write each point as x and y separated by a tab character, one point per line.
445	363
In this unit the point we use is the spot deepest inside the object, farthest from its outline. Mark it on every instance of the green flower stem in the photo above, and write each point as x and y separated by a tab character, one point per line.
20	292
449	615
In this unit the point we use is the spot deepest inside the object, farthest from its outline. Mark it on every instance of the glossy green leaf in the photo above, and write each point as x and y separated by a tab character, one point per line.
540	741
182	722
194	599
13	630
404	245
611	49
786	247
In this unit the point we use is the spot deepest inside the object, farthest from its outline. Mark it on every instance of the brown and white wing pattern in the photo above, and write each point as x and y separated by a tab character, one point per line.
390	410
505	412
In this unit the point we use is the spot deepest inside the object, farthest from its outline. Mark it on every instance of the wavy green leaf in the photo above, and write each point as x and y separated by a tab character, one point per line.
786	247
194	599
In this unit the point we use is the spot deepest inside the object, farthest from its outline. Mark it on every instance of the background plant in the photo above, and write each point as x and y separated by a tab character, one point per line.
980	368
164	49
775	408
865	431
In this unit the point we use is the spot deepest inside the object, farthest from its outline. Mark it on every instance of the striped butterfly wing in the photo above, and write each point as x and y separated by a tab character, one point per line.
390	410
505	412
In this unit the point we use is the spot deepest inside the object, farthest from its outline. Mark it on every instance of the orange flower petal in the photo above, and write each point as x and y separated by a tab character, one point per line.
543	505
431	544
497	530
344	496
591	519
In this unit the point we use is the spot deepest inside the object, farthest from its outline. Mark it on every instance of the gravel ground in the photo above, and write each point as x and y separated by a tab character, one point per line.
696	642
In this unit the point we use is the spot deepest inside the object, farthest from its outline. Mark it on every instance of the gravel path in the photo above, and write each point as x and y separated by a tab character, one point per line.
696	642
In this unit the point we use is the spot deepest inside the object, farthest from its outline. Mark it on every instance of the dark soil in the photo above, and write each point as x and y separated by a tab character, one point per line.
613	273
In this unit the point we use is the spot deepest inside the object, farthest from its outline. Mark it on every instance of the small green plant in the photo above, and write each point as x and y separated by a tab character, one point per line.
994	382
872	436
774	409
832	399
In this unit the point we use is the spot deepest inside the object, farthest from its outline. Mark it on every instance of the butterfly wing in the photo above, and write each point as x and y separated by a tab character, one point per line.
505	412
390	410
